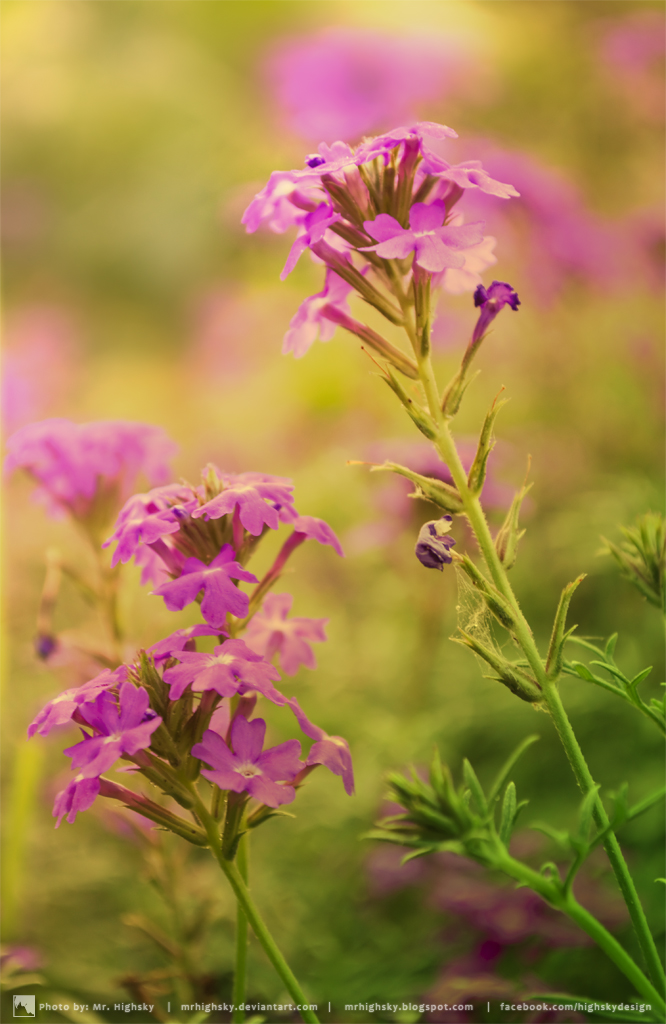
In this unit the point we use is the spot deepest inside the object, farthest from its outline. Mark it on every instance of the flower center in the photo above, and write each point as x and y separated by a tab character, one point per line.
249	770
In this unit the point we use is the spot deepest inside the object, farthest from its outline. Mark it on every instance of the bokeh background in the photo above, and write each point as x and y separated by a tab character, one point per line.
134	135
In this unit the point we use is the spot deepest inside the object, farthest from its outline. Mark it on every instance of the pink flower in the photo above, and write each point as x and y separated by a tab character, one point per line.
79	795
60	710
313	230
39	364
220	595
270	632
310	323
122	725
247	767
346	82
258	496
435	247
82	467
232	668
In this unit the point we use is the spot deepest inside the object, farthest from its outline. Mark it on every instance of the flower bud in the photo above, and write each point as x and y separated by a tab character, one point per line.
492	301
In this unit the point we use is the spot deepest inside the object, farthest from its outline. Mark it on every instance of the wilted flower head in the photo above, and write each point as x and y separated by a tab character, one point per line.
86	469
433	545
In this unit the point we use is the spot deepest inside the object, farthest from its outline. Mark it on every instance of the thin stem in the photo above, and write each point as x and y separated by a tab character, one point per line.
238	994
551	698
242	894
551	892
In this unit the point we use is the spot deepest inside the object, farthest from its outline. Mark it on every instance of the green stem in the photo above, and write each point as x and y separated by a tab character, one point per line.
551	698
238	994
242	894
551	892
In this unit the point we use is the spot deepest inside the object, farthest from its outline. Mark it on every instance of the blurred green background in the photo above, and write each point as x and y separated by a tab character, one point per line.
135	133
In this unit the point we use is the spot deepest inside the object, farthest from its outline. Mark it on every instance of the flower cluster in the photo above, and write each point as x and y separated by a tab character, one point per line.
178	712
380	217
87	469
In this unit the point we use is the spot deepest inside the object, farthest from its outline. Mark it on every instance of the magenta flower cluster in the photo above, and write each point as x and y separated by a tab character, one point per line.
365	213
178	710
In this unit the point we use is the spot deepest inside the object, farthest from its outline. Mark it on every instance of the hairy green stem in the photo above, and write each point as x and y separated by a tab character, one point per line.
242	894
474	512
238	993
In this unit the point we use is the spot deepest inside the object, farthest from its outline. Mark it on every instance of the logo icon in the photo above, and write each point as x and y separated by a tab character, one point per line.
24	1006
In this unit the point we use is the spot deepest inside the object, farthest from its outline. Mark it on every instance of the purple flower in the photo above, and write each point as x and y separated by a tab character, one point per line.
331	751
492	301
469	174
121	726
79	795
245	768
432	546
435	247
273	204
40	364
146	518
310	322
179	640
346	82
316	529
478	258
258	497
59	711
232	668
270	632
419	135
313	230
77	465
220	595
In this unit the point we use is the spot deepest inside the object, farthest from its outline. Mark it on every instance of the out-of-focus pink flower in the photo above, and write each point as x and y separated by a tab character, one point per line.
89	468
270	632
39	364
632	49
342	83
551	231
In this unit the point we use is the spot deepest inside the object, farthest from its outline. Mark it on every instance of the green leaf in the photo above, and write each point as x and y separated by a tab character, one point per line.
646	803
561	837
585	813
559	636
474	787
637	680
583	671
610	645
508	813
507	767
477	474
